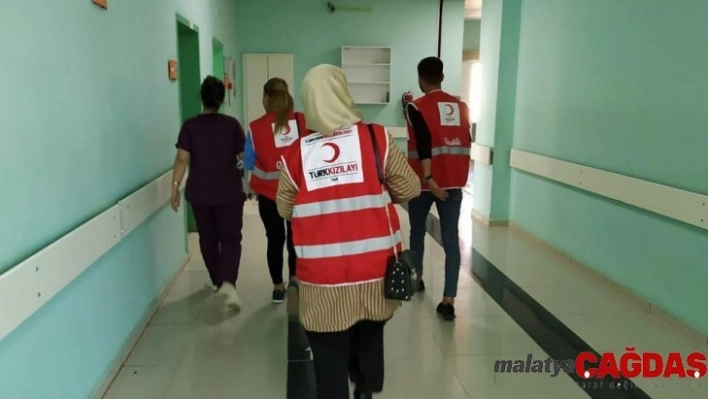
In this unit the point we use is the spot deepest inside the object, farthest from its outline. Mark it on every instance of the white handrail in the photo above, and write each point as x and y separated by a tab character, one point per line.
28	286
682	205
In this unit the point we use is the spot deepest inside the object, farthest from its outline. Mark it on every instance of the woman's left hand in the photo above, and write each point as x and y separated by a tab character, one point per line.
175	201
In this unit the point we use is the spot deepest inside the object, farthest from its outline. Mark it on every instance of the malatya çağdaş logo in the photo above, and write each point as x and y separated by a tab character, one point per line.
630	364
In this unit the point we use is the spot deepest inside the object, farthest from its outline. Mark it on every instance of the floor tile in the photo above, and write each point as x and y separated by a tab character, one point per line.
142	382
479	378
194	347
220	377
433	378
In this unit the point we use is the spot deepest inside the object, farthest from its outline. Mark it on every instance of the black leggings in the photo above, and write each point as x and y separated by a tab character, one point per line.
275	227
356	355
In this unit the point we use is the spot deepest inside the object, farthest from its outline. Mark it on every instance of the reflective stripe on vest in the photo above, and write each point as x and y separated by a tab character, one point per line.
261	174
347	248
341	205
442	150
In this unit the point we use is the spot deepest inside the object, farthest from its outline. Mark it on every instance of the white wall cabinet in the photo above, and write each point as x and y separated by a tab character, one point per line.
257	69
368	69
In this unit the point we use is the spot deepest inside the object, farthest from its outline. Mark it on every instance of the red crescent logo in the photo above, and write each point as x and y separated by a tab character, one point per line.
449	108
287	130
335	148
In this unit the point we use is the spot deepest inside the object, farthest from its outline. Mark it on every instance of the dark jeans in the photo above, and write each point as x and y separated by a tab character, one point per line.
219	229
449	211
356	354
275	227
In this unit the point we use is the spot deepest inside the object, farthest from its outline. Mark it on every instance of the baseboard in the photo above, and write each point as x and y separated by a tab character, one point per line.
138	333
691	332
488	222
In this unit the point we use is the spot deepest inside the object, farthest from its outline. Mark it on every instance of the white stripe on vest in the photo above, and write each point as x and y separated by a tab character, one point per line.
261	174
442	150
341	205
347	248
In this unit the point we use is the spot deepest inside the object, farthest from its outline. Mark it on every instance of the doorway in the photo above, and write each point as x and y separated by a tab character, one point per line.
217	51
189	80
471	94
472	83
257	69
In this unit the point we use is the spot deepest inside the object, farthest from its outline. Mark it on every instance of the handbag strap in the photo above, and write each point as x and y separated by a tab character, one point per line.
379	169
382	180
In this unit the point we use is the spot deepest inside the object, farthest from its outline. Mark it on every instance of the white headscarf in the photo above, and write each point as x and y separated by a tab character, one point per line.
326	100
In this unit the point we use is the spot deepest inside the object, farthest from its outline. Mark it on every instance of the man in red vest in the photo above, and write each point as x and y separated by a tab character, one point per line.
439	143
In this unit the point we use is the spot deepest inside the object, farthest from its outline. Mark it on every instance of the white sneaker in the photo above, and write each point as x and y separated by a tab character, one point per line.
228	291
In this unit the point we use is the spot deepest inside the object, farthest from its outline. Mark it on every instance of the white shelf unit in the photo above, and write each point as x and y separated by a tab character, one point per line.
368	69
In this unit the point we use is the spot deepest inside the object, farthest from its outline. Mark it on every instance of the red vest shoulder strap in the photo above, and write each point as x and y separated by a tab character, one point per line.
291	164
261	123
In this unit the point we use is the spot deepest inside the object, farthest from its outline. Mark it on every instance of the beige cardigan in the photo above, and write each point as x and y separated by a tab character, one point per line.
334	309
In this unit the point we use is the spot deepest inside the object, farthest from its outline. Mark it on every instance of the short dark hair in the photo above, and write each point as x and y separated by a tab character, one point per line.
212	92
430	69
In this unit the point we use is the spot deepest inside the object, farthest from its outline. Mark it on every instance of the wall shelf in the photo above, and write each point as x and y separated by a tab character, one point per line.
368	69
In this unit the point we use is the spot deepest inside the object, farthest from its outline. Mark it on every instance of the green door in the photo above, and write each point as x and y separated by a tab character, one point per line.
189	84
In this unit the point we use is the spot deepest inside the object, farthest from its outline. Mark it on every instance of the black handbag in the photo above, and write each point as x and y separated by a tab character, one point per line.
401	278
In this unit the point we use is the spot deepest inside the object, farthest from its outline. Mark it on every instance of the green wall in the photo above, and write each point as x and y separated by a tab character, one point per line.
218	59
499	49
609	85
89	116
307	29
189	82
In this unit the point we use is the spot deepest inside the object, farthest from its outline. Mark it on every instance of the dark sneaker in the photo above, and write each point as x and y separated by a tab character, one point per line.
447	311
421	285
278	296
362	395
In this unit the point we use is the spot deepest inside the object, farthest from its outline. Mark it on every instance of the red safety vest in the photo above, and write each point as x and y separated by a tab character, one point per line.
448	121
269	147
340	228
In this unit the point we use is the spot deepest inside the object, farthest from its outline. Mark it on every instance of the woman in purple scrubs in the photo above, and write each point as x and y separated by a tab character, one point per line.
212	144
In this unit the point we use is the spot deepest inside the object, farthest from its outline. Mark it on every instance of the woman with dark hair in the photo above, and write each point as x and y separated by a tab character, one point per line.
212	145
268	138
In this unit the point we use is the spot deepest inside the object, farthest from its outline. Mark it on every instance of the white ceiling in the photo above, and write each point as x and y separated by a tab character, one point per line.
473	9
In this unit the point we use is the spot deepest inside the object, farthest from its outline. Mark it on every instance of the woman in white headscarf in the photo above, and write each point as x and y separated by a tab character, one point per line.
345	229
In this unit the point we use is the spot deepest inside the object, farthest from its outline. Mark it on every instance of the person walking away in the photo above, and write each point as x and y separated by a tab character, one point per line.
266	141
211	144
330	189
439	142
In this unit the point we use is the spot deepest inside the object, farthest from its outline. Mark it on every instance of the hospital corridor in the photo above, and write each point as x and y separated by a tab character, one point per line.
527	302
353	199
525	307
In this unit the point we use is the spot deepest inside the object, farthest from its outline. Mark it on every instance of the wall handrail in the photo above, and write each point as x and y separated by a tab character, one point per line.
674	203
32	283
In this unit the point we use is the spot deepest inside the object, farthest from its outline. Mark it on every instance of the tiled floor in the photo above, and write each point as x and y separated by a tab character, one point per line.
192	349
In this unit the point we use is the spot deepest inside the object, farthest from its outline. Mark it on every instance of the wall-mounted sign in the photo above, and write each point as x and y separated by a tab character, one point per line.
102	3
230	78
172	69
